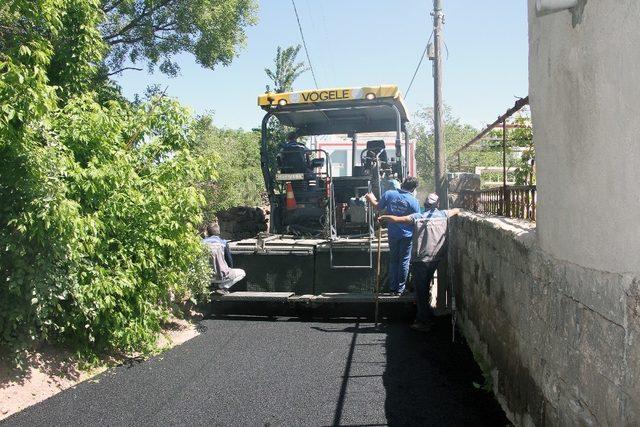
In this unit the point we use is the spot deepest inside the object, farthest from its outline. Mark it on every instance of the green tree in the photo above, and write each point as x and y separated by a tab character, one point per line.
522	137
286	69
238	179
456	135
57	40
283	76
154	31
484	153
101	198
520	150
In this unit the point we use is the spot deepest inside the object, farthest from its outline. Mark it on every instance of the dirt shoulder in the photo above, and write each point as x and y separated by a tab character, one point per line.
50	369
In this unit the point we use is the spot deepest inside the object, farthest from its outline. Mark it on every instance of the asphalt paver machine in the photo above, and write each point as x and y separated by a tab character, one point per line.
321	244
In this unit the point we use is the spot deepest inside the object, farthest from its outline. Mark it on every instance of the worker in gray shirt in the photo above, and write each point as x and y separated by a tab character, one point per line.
224	275
429	247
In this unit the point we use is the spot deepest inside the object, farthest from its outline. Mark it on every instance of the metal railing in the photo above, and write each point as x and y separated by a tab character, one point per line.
514	201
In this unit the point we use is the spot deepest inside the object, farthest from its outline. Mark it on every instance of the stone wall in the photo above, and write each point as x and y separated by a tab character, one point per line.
562	340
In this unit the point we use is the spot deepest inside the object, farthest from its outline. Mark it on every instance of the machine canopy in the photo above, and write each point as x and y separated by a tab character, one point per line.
338	110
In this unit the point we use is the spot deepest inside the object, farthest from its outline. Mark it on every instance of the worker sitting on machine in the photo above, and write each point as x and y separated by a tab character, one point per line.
294	156
224	275
305	188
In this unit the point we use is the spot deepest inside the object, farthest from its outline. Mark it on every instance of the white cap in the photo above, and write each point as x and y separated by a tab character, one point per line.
432	199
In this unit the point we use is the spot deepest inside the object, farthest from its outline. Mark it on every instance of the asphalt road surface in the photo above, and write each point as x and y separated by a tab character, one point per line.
254	372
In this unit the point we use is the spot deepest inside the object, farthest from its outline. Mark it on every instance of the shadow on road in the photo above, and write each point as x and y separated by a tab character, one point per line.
428	380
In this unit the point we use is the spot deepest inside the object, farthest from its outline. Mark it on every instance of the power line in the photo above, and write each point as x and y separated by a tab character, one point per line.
327	44
304	43
424	52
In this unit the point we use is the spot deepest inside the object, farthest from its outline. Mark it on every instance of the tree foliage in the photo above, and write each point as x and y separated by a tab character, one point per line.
522	137
286	69
238	180
520	150
283	76
486	153
53	41
456	135
154	31
101	198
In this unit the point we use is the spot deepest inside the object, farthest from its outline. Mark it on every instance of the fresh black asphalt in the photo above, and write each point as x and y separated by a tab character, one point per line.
252	372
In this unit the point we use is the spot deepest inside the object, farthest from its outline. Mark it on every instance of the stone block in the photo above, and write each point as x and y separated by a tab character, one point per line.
546	376
601	291
551	416
631	409
597	398
519	258
572	411
632	347
555	350
601	344
539	266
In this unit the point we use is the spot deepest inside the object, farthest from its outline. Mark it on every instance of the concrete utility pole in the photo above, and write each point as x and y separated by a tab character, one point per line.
438	112
438	129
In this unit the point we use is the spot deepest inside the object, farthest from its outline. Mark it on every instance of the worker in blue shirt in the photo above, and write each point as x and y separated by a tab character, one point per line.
400	202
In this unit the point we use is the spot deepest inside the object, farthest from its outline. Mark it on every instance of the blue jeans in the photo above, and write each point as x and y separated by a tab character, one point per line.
399	257
422	275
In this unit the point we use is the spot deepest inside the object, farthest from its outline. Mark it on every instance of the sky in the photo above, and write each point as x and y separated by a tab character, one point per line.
362	43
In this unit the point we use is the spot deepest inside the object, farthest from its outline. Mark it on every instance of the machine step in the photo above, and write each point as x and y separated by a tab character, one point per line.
254	296
333	298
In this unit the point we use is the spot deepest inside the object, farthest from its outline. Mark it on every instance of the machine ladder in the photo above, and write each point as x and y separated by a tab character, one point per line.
335	240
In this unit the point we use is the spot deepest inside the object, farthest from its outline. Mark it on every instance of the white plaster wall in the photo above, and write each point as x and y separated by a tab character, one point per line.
584	83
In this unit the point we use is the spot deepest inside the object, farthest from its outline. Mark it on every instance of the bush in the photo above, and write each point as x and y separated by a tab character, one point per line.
100	202
101	224
101	198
